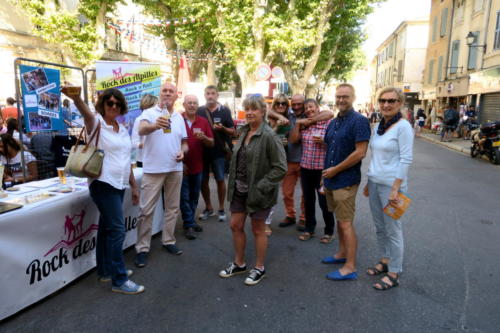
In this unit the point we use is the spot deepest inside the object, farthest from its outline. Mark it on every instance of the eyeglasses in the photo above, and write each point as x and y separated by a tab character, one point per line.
110	104
281	103
390	101
343	97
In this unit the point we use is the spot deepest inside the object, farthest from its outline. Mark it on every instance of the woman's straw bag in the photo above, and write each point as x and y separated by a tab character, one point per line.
85	160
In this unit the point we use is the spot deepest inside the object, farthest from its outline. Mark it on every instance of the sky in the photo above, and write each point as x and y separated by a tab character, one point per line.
387	17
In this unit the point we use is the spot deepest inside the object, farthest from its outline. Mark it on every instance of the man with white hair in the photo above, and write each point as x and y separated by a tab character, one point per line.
165	146
200	135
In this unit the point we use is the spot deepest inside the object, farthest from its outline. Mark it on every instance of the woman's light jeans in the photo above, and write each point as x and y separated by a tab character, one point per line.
389	231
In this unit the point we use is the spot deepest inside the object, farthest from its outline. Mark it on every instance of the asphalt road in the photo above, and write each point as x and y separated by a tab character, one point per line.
450	283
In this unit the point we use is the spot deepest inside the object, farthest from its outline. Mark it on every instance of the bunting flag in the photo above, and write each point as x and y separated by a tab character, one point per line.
159	23
155	44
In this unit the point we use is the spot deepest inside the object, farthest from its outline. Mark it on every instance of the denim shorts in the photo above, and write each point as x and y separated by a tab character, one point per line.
239	205
218	166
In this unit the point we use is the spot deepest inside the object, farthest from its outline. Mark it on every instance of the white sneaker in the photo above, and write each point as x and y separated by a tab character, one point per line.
222	216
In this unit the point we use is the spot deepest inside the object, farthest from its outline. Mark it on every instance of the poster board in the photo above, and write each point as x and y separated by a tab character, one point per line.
133	79
40	88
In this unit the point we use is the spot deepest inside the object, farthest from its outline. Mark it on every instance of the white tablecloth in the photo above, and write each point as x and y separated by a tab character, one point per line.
48	244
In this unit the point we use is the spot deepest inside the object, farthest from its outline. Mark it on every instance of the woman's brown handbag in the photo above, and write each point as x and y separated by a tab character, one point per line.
85	160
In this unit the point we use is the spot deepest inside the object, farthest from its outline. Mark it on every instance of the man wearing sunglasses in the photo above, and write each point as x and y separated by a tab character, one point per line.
347	138
165	144
293	155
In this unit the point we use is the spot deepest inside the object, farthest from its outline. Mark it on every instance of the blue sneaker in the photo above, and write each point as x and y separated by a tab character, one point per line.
337	276
333	260
128	288
107	278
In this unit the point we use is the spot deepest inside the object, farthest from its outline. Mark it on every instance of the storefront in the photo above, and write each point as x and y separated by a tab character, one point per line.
452	92
487	84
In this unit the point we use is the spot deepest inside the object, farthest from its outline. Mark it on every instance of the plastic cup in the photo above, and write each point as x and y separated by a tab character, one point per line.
61	175
168	129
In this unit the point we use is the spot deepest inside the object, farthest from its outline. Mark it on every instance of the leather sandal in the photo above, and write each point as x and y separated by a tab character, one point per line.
385	286
373	271
326	239
306	236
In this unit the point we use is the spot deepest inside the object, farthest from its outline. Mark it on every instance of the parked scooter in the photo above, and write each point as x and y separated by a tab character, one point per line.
485	141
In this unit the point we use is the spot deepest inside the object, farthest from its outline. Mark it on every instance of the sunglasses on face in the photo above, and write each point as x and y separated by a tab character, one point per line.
281	103
110	104
390	101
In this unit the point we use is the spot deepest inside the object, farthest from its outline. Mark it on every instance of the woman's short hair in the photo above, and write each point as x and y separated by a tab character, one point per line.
401	96
280	98
148	101
255	102
107	94
311	100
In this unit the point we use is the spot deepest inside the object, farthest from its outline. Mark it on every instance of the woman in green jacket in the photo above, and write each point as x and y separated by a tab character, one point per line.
257	167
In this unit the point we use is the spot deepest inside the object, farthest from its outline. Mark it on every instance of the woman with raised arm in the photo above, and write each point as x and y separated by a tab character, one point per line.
108	189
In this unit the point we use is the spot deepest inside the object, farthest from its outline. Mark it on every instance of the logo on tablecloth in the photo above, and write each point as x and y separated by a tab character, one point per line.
73	229
75	243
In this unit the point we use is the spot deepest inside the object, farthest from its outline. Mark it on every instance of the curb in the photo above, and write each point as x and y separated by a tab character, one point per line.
462	150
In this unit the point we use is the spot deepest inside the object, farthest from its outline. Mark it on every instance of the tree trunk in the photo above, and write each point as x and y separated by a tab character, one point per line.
211	77
100	29
197	65
247	79
327	11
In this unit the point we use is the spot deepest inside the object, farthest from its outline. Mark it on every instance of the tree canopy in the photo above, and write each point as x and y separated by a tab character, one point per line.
313	40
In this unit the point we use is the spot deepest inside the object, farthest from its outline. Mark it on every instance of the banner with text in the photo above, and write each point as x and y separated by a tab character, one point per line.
133	79
59	247
41	98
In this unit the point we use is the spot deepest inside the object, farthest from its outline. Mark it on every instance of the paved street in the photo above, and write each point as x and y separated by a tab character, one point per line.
450	282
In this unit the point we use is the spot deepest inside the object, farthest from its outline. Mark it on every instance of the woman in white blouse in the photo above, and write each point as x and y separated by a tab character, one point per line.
391	155
108	189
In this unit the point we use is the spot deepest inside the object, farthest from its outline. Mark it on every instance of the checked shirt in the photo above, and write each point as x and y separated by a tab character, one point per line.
313	154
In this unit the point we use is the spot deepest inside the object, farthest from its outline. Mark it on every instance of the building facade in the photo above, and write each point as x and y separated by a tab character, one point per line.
401	61
463	57
436	60
485	83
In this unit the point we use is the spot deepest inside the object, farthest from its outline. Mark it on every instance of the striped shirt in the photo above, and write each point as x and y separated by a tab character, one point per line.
313	154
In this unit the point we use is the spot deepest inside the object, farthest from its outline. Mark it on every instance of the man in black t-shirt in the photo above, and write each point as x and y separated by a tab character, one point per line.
222	124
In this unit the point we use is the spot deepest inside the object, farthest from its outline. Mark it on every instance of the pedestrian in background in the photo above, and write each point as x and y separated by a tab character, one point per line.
108	189
222	124
347	140
257	166
391	155
450	123
147	102
280	105
311	167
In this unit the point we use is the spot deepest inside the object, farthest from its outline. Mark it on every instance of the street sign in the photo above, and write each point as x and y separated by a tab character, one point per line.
277	73
263	72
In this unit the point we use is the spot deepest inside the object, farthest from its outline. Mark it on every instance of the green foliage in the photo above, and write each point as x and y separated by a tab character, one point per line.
62	28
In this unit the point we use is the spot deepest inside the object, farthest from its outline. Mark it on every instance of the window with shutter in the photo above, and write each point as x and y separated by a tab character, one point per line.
454	56
471	64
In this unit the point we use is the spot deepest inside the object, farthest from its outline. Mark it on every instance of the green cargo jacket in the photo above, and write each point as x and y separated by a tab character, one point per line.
266	167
